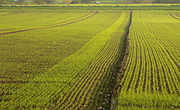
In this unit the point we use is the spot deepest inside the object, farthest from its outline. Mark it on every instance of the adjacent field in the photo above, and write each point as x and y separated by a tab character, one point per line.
34	51
58	59
151	74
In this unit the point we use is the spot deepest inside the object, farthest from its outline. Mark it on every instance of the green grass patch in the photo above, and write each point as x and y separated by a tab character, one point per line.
147	101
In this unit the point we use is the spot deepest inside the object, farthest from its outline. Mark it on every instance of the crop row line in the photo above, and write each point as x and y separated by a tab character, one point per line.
159	81
96	79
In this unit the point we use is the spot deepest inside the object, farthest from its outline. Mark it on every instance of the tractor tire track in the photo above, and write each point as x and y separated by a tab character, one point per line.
54	26
174	16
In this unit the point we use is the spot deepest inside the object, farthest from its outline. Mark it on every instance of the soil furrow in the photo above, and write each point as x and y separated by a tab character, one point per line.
147	44
145	73
158	76
167	86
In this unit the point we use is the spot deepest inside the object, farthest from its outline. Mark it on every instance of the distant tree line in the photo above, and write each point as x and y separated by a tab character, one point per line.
33	1
87	1
150	1
45	1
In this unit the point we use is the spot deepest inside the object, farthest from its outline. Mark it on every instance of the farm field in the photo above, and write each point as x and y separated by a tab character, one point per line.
150	76
58	59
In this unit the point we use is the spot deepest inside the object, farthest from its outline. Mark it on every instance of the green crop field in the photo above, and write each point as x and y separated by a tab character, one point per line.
150	77
58	58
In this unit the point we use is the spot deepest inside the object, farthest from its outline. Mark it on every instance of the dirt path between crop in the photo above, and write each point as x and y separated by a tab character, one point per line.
56	25
114	97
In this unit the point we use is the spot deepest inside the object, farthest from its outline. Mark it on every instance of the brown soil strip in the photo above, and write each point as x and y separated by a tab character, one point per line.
122	68
54	26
